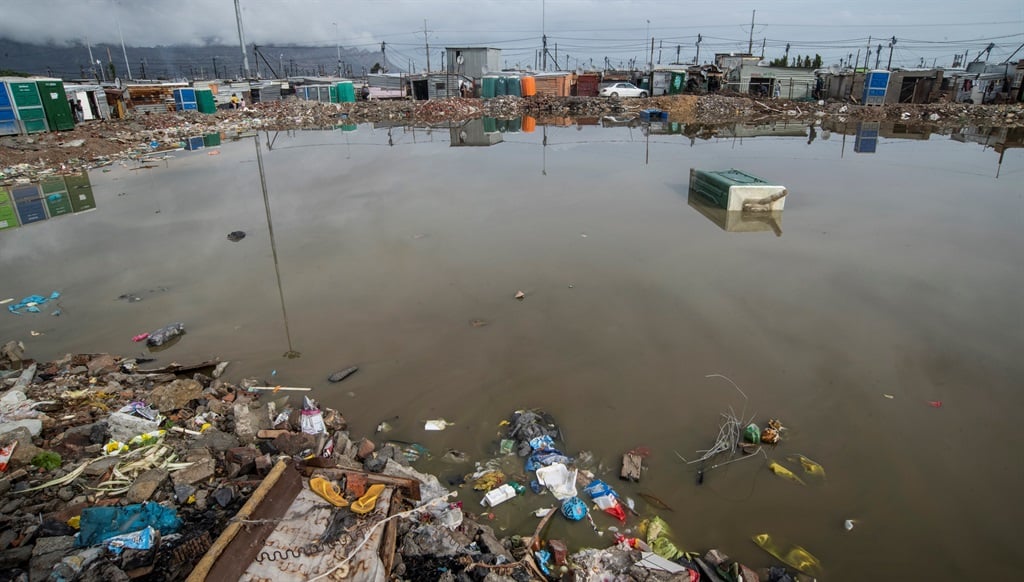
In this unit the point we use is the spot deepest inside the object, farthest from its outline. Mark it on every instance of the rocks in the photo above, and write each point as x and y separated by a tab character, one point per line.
198	472
47	553
34	426
145	485
176	395
366	447
215	440
103	364
249	422
124	426
294	443
25	451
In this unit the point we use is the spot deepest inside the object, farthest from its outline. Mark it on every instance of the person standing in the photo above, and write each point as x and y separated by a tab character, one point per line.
234	101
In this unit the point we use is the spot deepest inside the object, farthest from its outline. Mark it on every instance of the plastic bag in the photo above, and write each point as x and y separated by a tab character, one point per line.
165	334
574	509
312	418
791	555
606	499
559	480
102	523
752	433
140	540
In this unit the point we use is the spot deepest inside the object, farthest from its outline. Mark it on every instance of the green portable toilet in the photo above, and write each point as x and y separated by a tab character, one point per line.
513	86
515	125
28	106
205	101
677	83
80	191
55	194
729	189
490	124
55	103
334	93
8	215
346	92
211	140
501	87
488	87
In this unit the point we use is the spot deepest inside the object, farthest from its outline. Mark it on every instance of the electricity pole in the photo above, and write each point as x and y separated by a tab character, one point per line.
426	43
241	39
878	54
750	42
678	48
544	57
216	75
696	59
383	57
892	43
127	67
92	61
867	56
337	45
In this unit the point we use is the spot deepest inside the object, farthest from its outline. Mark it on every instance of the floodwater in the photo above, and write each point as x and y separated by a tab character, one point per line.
891	272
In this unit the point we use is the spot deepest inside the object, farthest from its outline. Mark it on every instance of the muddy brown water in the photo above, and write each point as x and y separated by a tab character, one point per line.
897	272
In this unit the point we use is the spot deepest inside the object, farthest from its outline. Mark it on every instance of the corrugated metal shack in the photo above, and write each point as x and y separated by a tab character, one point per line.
473	62
782	82
387	85
93	99
437	85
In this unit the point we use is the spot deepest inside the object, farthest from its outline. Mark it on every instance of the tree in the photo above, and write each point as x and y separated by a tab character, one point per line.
817	61
376	68
113	70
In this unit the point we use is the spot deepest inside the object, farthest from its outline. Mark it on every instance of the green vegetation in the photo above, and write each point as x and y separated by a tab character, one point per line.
46	460
12	73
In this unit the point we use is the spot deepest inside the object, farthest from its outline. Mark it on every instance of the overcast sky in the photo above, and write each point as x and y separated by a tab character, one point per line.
583	29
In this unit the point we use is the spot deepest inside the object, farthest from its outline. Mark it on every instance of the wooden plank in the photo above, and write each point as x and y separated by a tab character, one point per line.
387	549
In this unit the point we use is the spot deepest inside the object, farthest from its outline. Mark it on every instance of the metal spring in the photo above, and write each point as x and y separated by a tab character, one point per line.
275	555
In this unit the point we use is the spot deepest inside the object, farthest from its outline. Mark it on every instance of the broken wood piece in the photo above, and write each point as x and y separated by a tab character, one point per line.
174	368
631	464
390	536
763	204
280	388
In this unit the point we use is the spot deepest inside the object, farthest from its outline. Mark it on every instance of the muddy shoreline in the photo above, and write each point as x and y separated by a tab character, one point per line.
98	143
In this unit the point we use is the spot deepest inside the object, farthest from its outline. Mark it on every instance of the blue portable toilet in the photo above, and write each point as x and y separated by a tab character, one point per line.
185	100
29	203
8	120
875	85
866	141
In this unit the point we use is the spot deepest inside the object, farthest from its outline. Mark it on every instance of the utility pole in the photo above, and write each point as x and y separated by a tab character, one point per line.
143	62
216	75
867	56
566	62
878	54
892	43
337	45
92	61
544	58
750	42
661	43
678	48
127	67
383	57
426	43
650	63
696	59
786	64
241	39
764	41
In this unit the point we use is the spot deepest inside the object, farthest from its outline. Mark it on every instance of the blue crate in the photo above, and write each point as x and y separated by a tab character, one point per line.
194	143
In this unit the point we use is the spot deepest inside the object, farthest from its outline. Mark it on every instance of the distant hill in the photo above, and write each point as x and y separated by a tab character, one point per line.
71	61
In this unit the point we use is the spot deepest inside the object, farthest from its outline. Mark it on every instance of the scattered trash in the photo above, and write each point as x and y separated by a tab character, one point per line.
574	509
520	295
479	322
752	433
889	396
848	525
342	374
312	418
165	334
6	452
140	337
236	235
606	499
809	466
656	533
498	495
101	523
784	472
329	491
31	303
935	403
772	433
559	480
655	501
791	555
437	424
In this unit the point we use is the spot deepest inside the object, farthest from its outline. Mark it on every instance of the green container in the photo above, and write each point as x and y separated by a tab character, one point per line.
334	93
8	215
714	185
501	86
80	191
515	125
205	101
677	83
346	92
55	103
502	125
488	87
513	86
211	139
349	127
55	194
29	106
490	124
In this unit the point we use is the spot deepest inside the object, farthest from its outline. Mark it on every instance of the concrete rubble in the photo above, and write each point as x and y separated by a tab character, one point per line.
101	143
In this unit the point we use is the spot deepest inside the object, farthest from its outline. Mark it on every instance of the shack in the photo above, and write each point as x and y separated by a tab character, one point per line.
556	84
916	85
437	85
668	80
783	82
387	85
475	133
93	101
151	97
472	62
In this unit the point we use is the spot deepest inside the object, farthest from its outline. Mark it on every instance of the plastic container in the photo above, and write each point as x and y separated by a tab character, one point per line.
498	496
528	86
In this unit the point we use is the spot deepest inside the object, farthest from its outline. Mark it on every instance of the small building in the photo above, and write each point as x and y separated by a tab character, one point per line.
915	86
151	97
472	62
555	84
668	80
387	85
781	82
437	85
587	84
475	133
92	98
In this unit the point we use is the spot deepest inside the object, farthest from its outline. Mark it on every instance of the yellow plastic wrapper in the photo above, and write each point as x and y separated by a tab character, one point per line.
656	533
114	448
147	438
74	521
784	472
810	467
791	555
489	481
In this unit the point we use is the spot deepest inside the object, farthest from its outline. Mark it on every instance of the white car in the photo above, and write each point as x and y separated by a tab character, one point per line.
623	90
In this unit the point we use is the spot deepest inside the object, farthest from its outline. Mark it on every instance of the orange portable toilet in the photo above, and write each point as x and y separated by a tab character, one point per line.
529	86
529	123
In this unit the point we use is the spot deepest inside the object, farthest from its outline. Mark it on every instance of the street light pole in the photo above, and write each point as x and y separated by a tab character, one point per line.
337	44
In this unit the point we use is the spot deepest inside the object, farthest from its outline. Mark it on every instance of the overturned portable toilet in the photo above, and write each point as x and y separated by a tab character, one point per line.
737	191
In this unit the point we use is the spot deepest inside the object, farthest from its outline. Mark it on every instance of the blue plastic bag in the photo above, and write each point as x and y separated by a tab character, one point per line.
102	523
574	509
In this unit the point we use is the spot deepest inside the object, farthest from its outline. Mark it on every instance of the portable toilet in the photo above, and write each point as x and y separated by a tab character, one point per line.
55	196
205	101
875	85
185	100
500	86
677	83
55	105
28	202
346	92
8	120
28	107
80	191
513	86
8	215
488	87
729	189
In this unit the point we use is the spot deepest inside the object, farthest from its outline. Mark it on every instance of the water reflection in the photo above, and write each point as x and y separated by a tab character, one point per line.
52	196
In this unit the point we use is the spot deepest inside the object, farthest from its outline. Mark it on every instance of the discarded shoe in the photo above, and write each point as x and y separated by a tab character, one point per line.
327	490
366	503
